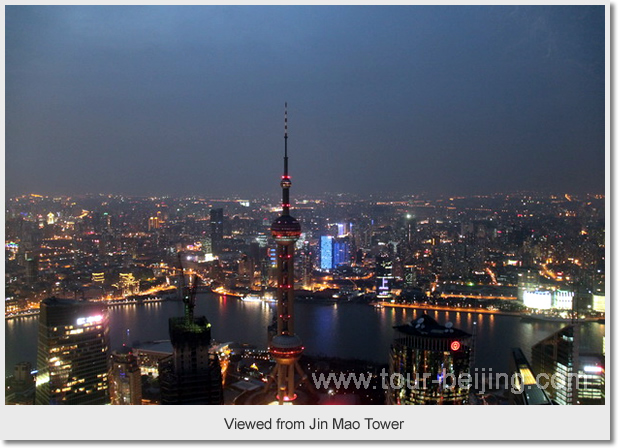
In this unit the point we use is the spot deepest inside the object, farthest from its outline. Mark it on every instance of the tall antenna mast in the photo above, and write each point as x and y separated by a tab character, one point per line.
286	183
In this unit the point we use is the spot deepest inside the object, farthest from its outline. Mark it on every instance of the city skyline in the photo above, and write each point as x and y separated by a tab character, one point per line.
153	101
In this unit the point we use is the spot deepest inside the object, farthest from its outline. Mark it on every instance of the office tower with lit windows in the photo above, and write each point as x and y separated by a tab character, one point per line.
527	281
32	267
341	252
72	358
216	230
557	357
384	275
426	361
286	347
153	223
576	378
591	379
125	379
598	291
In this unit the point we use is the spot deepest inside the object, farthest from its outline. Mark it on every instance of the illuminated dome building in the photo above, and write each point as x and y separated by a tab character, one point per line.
426	362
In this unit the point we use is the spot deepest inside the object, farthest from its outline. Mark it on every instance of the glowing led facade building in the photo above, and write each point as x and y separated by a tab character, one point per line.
72	358
384	275
341	252
286	348
326	253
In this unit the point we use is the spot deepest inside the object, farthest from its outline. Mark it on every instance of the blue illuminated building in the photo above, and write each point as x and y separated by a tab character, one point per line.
326	253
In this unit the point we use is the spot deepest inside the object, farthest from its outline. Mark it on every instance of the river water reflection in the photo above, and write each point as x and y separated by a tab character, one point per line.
346	330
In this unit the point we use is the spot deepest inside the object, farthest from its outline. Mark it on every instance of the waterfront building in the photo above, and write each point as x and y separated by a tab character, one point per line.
426	360
125	380
72	358
546	299
527	280
540	300
562	300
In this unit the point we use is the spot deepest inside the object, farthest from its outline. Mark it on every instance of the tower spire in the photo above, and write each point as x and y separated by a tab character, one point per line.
286	183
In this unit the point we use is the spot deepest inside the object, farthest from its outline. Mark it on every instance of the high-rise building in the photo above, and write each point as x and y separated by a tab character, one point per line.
570	378
153	223
191	375
527	280
525	390
72	358
427	363
125	381
32	267
591	380
410	275
598	291
556	357
216	230
326	253
341	252
286	347
384	275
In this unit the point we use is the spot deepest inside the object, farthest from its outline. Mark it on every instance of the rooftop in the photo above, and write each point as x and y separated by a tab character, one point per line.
427	326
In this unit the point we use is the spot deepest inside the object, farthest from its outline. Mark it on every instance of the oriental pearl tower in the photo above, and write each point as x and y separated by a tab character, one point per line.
286	348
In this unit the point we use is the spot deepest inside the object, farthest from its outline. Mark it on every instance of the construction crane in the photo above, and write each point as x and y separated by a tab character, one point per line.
188	292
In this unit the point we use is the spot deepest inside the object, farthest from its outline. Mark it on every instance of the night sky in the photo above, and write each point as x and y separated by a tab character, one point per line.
189	100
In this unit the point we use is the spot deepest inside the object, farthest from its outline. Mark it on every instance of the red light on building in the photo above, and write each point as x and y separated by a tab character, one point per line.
455	345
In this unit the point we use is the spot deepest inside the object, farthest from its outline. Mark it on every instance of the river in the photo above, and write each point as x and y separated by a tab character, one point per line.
347	330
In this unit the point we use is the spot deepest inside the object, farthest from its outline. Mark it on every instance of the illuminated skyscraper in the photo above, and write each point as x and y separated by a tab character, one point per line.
72	358
125	382
426	362
557	357
341	252
286	348
384	275
326	253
